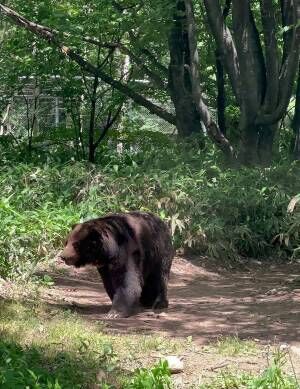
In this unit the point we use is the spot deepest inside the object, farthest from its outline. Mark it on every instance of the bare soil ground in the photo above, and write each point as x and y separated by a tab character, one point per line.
262	302
207	304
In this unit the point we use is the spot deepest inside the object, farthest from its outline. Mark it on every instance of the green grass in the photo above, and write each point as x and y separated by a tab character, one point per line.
232	346
41	345
274	376
271	378
59	342
158	377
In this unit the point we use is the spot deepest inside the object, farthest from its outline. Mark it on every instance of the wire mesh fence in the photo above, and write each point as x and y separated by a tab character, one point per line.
41	113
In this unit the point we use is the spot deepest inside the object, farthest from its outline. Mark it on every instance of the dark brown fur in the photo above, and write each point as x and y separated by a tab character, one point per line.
133	254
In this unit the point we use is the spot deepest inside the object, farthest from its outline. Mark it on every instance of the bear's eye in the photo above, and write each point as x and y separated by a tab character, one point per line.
92	243
76	246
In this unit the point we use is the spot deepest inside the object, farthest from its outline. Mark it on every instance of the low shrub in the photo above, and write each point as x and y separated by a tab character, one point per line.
17	371
220	212
157	377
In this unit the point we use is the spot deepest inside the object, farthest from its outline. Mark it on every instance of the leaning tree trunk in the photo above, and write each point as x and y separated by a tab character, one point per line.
187	117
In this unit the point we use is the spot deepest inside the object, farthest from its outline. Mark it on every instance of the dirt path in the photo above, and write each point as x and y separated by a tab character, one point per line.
262	303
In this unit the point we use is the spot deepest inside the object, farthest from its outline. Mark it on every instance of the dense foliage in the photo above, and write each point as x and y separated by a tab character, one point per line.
225	213
186	62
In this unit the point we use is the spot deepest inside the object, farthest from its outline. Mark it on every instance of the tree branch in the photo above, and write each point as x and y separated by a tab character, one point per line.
134	40
288	70
212	129
225	44
153	76
156	79
159	66
287	20
250	55
109	123
221	92
271	54
51	36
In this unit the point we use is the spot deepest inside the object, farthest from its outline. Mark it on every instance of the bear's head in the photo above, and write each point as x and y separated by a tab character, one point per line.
84	245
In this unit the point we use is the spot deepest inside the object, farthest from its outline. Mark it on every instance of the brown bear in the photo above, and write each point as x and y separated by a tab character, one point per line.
133	253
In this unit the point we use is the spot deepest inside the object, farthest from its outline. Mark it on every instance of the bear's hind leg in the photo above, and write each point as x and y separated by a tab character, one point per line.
163	274
155	292
149	292
161	300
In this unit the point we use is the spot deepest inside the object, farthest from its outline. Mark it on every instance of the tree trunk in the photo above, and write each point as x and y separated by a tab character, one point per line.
265	144
212	128
221	96
257	143
187	117
92	153
92	148
296	121
252	58
248	155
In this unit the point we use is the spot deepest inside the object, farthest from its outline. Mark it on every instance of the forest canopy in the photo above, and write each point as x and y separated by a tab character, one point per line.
223	70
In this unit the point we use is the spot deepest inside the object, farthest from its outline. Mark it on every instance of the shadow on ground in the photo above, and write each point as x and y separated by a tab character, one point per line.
262	303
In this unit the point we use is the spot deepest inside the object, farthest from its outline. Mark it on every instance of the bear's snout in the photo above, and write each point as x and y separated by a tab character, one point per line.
71	261
69	256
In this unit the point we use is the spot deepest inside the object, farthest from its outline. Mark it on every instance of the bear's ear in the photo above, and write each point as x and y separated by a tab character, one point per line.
74	225
94	235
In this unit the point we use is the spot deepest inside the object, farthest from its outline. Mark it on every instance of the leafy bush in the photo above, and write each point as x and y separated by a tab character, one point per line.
223	213
158	377
16	369
293	234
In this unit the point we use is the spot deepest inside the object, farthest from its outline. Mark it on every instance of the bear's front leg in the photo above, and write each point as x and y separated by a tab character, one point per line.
127	284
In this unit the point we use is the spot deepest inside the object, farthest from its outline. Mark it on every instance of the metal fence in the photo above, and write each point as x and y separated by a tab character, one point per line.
42	112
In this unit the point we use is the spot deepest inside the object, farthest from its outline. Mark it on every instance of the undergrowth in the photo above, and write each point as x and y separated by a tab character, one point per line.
220	212
42	347
46	348
273	377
